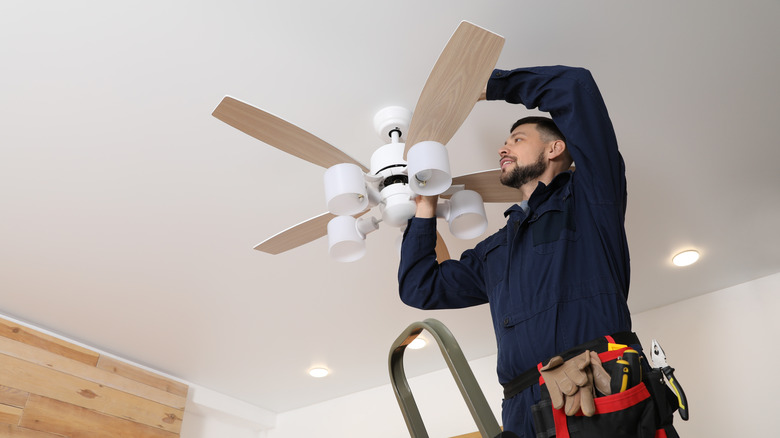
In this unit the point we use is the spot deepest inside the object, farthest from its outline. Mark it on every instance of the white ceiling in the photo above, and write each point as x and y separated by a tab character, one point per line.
128	213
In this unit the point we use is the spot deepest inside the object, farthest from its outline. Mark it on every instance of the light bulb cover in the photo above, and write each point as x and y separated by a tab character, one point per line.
397	205
428	168
345	242
465	214
345	189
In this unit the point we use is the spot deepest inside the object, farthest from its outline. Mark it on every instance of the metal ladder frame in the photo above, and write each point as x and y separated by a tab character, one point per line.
461	372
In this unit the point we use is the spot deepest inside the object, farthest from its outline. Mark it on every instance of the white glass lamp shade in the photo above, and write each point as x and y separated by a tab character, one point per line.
467	216
345	242
398	205
428	168
345	189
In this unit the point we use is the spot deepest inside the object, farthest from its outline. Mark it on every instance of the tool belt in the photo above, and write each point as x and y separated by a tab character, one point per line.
641	407
531	376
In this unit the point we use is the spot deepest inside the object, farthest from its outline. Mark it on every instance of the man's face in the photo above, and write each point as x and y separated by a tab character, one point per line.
522	157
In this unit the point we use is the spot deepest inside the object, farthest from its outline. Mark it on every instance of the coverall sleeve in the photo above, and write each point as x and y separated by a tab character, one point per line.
425	284
571	97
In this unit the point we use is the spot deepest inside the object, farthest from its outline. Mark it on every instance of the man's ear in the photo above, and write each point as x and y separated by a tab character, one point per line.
556	148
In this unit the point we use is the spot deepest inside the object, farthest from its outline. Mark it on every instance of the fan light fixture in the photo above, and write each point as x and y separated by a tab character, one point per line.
686	258
429	168
465	213
345	189
392	183
347	237
398	205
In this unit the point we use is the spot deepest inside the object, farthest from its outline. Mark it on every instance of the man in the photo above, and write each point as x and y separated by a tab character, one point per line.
557	275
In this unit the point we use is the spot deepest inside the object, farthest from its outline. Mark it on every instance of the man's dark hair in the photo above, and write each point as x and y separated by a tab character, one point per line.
546	127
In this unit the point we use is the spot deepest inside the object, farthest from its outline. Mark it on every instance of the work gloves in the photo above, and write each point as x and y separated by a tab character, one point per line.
571	383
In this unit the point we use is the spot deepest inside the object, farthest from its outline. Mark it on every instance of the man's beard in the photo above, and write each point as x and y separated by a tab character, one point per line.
521	175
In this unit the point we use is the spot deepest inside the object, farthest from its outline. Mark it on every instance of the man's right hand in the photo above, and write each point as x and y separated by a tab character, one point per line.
483	95
426	206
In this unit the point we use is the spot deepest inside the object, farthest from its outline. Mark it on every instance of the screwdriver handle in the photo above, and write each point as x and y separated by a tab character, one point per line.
620	376
632	357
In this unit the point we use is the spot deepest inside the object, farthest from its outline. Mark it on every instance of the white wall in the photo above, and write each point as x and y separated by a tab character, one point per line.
722	345
724	348
209	414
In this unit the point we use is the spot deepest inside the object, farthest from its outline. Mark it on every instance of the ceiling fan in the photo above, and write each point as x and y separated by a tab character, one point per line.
449	94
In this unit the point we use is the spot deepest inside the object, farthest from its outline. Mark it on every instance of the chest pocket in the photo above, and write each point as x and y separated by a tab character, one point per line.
552	226
494	258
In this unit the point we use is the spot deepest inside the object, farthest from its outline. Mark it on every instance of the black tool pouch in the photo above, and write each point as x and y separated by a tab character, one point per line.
642	411
664	401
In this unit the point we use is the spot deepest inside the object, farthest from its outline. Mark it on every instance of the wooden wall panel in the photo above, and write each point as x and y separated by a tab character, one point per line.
11	431
139	375
10	414
43	413
91	373
49	343
51	388
13	397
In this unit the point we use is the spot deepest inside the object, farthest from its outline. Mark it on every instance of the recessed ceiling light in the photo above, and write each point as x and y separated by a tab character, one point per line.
686	258
418	343
318	372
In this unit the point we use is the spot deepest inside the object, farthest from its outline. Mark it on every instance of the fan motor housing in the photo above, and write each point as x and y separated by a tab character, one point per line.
392	118
388	163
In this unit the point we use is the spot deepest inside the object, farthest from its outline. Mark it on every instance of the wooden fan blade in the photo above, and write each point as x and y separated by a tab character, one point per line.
487	184
454	85
298	235
442	253
280	133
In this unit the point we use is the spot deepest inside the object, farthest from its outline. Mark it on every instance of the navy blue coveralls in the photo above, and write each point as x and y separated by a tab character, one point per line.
558	276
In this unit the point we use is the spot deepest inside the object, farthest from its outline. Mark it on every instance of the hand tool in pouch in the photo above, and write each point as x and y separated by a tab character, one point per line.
659	360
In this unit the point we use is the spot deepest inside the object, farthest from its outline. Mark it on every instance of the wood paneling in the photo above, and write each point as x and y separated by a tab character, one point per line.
51	388
10	414
11	431
49	343
139	375
66	419
13	397
95	375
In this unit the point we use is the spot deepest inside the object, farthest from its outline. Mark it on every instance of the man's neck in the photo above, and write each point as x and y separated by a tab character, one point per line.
530	187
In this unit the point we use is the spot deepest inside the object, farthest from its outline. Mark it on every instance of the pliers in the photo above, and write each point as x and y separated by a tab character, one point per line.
659	360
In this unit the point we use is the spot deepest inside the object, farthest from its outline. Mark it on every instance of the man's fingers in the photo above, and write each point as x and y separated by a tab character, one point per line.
572	404
586	397
576	366
601	379
553	363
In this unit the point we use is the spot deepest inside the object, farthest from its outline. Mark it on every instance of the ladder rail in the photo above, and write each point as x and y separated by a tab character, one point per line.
461	372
